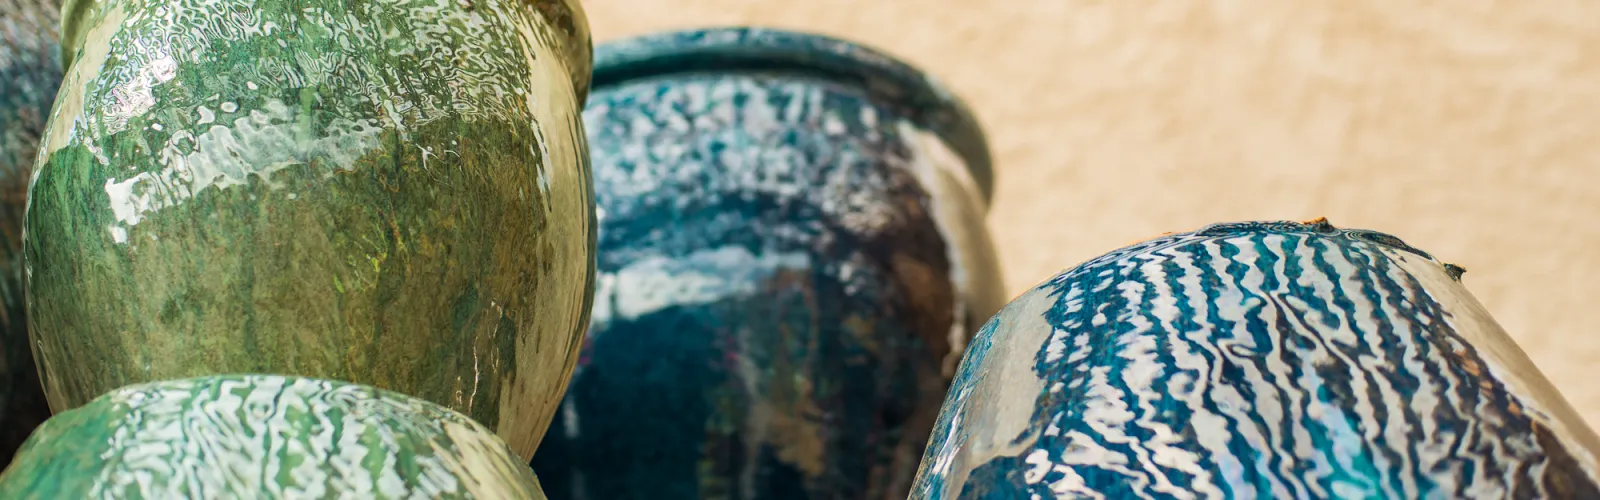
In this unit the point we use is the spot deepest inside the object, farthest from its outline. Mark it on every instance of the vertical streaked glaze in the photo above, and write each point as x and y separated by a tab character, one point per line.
791	260
255	436
390	192
30	72
1254	360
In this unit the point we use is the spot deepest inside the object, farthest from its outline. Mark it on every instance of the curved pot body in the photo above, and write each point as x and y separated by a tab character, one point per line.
30	73
393	192
1254	360
792	257
262	436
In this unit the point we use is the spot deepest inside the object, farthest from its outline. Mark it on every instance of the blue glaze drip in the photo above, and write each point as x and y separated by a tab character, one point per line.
786	275
1254	360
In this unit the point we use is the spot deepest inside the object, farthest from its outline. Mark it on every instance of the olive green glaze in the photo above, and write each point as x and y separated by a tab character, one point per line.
254	436
30	71
75	16
389	192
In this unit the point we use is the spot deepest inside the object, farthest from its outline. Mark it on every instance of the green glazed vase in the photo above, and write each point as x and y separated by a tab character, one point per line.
394	193
30	71
262	436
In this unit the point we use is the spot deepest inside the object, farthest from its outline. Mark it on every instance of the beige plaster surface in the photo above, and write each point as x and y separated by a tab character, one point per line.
1469	128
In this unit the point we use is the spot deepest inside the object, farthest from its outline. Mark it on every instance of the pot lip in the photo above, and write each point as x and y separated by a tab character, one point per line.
755	48
566	19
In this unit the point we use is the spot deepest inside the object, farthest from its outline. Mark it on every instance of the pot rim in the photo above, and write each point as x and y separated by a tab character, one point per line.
885	78
566	19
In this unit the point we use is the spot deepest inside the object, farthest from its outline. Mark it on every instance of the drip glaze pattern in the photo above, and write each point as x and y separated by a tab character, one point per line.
1254	360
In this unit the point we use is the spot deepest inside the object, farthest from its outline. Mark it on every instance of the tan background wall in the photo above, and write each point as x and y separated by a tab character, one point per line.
1469	128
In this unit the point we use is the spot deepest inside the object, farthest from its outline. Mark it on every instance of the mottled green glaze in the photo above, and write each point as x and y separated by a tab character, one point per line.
389	192
30	71
254	436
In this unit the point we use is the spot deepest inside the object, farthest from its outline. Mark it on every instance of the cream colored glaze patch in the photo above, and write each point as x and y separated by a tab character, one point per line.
1506	361
474	446
960	214
565	153
69	101
1000	403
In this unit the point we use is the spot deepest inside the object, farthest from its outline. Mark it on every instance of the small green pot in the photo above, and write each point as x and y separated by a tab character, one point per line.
260	436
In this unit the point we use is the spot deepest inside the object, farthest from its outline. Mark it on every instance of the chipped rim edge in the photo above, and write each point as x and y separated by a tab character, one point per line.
883	77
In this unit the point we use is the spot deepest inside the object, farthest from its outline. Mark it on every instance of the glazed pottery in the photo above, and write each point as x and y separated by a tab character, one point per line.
792	256
30	72
394	193
260	436
1254	360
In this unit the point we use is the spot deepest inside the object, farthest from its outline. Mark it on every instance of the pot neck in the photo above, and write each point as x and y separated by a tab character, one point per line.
749	49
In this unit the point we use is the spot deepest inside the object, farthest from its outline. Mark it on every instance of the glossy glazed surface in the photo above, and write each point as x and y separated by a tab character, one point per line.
391	192
30	72
1254	360
789	268
265	437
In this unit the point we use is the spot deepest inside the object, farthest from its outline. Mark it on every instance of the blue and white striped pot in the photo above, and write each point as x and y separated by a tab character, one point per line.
1254	360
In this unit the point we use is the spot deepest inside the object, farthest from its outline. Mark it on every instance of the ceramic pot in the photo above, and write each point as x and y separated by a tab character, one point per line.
258	436
1255	360
792	256
394	193
30	72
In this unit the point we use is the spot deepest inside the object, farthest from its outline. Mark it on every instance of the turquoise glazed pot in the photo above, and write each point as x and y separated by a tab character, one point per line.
389	192
255	436
30	72
1254	360
792	256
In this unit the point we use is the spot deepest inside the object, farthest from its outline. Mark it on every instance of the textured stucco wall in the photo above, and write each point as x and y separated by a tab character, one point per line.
1470	129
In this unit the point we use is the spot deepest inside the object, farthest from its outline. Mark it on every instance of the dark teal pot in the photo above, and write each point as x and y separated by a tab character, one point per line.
255	436
394	193
1254	360
30	73
792	256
